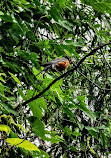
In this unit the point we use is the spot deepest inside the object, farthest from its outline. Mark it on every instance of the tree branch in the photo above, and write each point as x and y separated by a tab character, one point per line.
65	74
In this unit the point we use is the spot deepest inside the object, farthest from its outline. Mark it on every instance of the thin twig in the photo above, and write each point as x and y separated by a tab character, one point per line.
93	82
106	60
65	74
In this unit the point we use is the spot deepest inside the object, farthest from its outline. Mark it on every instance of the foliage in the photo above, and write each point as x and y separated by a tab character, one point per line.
72	118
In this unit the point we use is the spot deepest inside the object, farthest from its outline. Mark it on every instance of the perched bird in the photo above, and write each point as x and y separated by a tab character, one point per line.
58	64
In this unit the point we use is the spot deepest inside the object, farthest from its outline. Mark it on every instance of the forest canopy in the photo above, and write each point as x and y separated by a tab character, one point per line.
55	114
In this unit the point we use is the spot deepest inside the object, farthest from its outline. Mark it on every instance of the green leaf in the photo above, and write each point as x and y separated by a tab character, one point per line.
75	44
102	6
37	126
5	116
81	98
13	135
1	13
76	132
73	148
56	139
35	105
16	124
15	78
82	106
67	52
22	143
81	126
61	3
35	71
7	18
31	35
67	131
3	74
69	112
55	13
103	127
65	24
41	103
93	133
36	110
57	85
41	154
49	76
22	94
53	137
5	128
8	108
5	98
1	79
92	128
104	140
28	146
89	146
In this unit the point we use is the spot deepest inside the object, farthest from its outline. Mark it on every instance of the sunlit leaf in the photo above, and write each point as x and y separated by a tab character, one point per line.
5	128
89	146
1	13
15	78
1	79
26	144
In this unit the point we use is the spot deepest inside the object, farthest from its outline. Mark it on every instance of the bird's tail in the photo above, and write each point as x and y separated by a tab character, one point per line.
45	69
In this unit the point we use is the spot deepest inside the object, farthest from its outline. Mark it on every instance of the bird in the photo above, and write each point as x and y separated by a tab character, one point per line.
58	64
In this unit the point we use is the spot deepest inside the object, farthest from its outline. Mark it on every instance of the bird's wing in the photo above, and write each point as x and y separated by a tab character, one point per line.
55	61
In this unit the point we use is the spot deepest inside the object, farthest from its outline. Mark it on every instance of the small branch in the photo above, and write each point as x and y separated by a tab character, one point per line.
106	60
91	53
105	89
65	74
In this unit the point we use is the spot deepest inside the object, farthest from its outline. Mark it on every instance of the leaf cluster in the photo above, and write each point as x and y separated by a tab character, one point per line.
71	116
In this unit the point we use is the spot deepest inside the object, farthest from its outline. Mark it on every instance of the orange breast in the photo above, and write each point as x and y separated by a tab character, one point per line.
62	65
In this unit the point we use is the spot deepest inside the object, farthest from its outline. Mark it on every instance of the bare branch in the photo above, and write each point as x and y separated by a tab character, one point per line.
65	74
